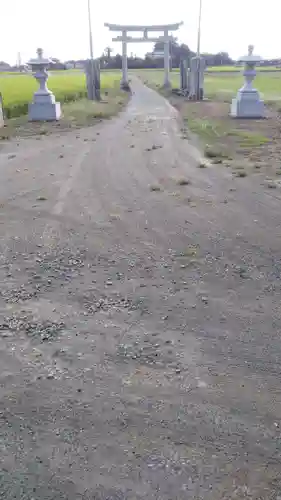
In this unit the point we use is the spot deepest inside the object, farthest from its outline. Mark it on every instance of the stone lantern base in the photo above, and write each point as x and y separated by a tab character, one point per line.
44	108
247	104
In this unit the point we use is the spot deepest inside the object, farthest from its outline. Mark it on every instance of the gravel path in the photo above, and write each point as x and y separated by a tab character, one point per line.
139	318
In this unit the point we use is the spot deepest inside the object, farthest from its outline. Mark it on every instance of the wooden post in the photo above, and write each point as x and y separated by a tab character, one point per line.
93	79
197	68
1	112
183	75
97	79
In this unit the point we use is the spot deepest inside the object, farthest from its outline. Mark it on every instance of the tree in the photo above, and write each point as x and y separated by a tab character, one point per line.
107	53
222	59
56	64
5	65
177	52
154	59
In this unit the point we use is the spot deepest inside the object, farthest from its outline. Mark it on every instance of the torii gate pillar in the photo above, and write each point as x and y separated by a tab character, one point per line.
124	81
167	83
125	39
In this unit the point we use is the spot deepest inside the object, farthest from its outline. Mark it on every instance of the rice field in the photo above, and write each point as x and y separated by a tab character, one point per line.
17	90
223	85
230	69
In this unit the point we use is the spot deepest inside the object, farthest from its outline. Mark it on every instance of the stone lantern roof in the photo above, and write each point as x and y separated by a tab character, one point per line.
39	60
250	57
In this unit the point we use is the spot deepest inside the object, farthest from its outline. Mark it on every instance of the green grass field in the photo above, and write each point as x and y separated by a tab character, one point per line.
230	69
227	69
223	85
17	90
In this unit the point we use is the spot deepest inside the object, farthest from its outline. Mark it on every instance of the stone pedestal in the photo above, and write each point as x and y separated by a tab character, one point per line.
247	103
44	106
44	112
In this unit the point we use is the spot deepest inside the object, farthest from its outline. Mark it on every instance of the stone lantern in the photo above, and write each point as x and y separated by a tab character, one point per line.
247	103
44	106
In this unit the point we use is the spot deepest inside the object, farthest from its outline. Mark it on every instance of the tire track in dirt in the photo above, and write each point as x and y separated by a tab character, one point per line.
175	393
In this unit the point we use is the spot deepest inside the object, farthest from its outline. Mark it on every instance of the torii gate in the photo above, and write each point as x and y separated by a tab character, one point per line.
124	38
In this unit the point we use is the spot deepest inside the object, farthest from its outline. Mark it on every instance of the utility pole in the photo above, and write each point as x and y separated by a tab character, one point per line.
199	29
92	66
198	89
90	31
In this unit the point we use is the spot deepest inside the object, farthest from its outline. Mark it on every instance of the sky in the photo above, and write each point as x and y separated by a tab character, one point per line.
60	27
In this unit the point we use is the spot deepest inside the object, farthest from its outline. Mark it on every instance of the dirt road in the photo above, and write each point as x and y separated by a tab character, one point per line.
140	318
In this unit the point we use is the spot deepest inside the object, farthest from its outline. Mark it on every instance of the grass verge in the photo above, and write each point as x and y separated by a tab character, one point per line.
253	144
68	86
77	114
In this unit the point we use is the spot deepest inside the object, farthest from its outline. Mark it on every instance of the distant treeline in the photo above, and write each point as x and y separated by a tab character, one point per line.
153	59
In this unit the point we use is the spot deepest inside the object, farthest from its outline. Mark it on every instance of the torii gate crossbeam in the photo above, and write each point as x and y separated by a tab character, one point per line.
125	39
